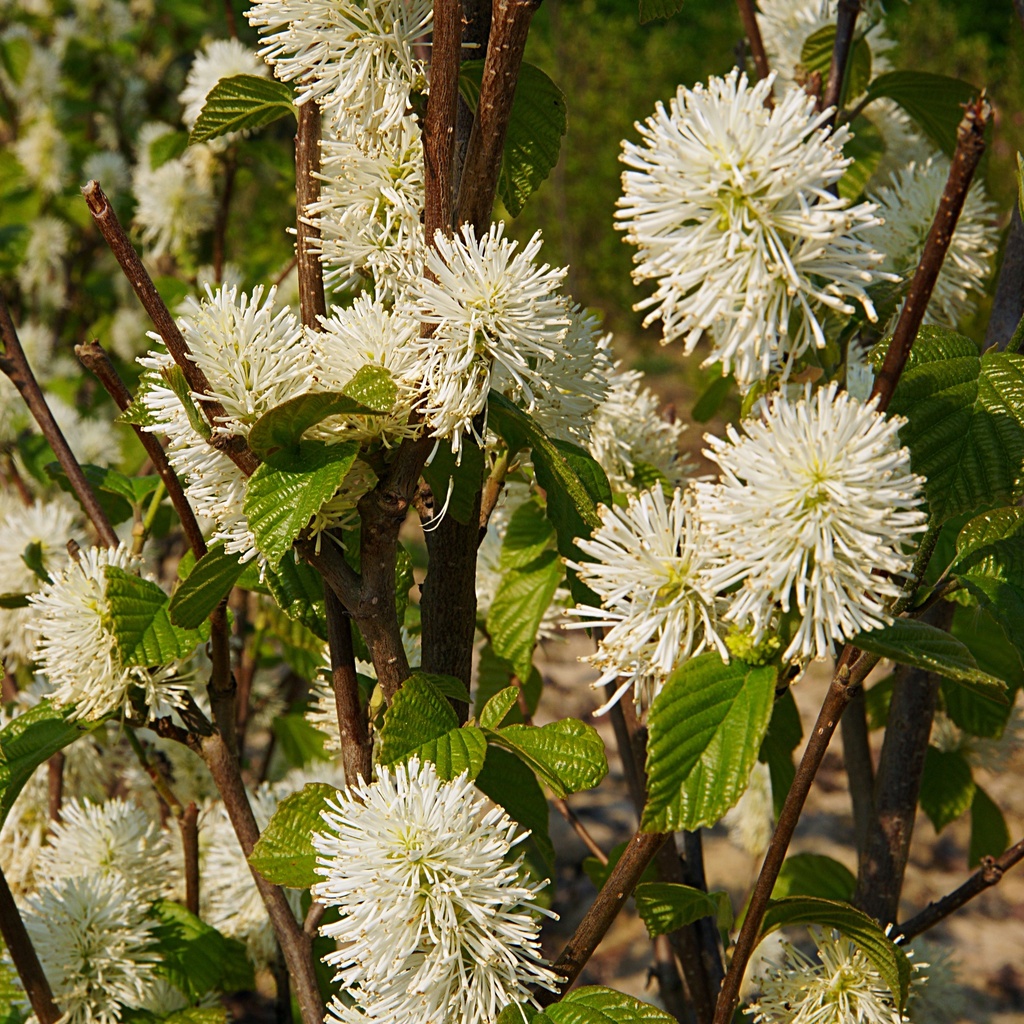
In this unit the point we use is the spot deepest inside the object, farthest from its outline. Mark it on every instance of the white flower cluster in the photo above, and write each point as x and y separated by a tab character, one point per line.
808	532
437	922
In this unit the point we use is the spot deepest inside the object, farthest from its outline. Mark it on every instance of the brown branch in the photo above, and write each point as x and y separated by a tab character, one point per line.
55	780
989	874
95	359
580	829
883	861
707	928
188	823
26	962
221	687
15	365
860	771
752	30
851	670
312	303
124	252
353	727
619	886
510	23
1008	303
846	23
969	147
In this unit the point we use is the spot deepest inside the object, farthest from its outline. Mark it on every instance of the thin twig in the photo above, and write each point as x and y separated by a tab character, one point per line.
26	962
851	670
846	23
752	30
188	824
989	874
312	303
353	726
15	365
95	359
969	147
580	829
124	252
314	916
55	770
510	24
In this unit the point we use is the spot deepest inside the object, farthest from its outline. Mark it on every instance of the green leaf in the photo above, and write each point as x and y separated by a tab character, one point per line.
241	103
32	556
989	835
284	852
283	426
527	537
813	874
28	741
522	1013
912	642
588	469
712	397
300	742
947	786
816	55
877	700
167	147
705	729
535	129
666	906
196	958
890	961
175	379
594	1004
421	722
299	590
279	501
141	624
783	737
373	387
114	504
16	57
510	783
935	102
199	1014
518	606
448	686
965	412
567	755
651	9
11	601
867	147
205	586
464	480
494	674
495	710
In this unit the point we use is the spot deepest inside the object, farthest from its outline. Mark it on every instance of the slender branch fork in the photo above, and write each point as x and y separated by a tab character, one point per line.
853	665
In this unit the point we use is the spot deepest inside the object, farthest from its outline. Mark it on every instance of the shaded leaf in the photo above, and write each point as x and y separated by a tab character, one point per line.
813	874
527	536
651	9
205	586
666	906
947	786
989	835
783	737
284	852
816	55
458	484
299	590
594	1004
283	426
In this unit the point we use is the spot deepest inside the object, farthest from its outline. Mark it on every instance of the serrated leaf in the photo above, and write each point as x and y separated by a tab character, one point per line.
535	129
567	755
205	586
448	686
141	624
989	835
594	1004
816	55
935	102
651	9
457	483
299	591
421	722
527	536
373	386
508	781
283	426
867	147
196	958
667	906
912	642
495	710
783	737
494	674
167	147
28	741
705	729
947	786
518	607
964	428
890	961
522	1013
284	852
814	874
241	103
280	501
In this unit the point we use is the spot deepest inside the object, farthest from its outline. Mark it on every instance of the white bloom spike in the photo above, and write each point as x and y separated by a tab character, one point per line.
436	922
729	206
649	566
817	511
78	650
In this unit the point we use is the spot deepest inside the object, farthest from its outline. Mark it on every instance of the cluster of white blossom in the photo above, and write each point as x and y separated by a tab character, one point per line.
809	529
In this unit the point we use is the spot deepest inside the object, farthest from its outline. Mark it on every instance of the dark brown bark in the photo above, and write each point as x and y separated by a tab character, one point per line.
354	729
26	962
860	771
846	23
188	824
312	303
752	30
1008	304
